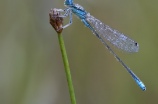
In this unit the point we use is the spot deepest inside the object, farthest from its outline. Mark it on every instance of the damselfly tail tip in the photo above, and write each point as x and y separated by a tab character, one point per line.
141	85
143	88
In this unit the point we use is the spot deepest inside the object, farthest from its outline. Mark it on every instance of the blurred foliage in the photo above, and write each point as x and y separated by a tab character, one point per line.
31	66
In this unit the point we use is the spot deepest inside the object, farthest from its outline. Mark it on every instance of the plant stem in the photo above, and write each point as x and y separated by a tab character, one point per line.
67	69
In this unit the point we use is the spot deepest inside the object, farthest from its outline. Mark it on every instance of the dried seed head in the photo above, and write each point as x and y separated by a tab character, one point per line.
56	22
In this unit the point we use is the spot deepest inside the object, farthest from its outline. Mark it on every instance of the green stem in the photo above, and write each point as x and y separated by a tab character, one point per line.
67	69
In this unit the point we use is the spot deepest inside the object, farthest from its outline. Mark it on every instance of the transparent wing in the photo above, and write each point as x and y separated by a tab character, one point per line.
112	36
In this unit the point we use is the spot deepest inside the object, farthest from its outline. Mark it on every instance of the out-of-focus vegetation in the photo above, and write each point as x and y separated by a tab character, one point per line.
31	66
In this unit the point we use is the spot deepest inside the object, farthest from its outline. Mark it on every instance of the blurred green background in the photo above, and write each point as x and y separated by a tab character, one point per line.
31	66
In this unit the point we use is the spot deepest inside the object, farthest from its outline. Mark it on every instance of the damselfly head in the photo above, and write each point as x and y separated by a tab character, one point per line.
68	2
